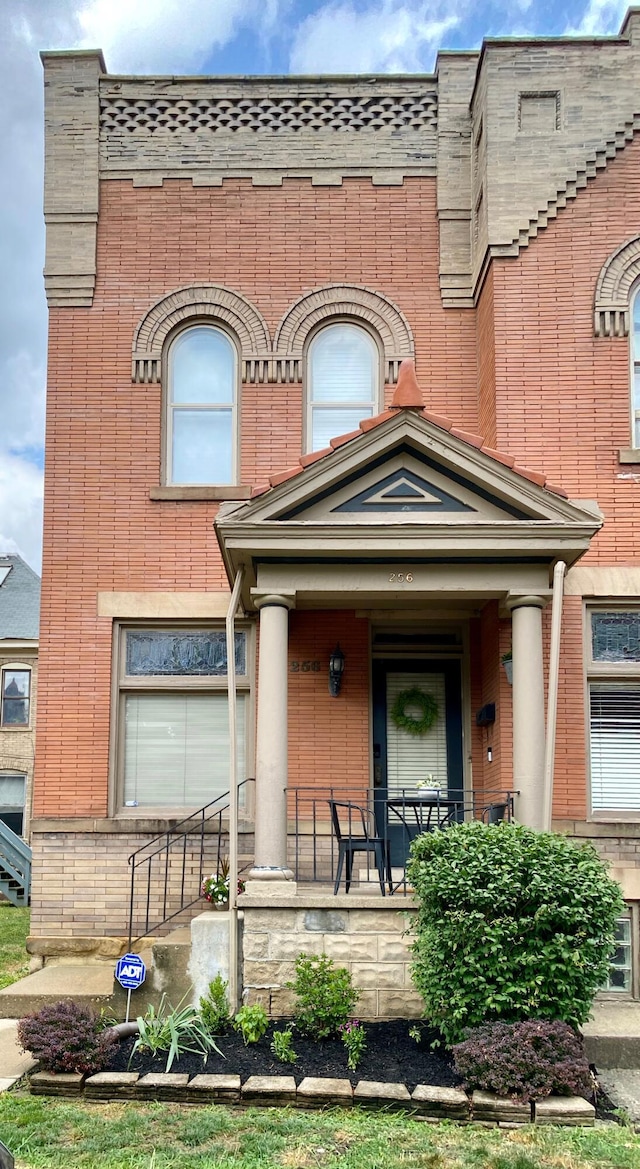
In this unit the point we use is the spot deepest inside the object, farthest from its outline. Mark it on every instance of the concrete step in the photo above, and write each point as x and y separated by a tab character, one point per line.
91	985
612	1036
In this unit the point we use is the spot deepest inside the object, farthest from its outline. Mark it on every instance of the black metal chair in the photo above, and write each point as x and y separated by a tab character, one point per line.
346	816
494	813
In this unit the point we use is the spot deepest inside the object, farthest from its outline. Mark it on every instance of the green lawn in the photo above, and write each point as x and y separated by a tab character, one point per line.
14	927
59	1133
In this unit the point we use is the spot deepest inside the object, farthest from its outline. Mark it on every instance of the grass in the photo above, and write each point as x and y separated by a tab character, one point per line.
14	927
43	1133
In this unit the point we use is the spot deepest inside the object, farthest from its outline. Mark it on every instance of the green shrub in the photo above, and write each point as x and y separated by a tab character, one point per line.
252	1023
325	996
214	1007
282	1046
526	1061
512	924
67	1037
175	1030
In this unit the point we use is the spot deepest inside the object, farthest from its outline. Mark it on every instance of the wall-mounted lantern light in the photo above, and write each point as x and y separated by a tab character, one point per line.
336	670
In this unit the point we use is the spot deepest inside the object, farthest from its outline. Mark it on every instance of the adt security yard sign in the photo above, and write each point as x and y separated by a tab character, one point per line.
130	973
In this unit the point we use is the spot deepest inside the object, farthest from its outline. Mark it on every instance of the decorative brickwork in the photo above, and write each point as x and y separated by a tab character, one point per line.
198	302
266	114
613	290
335	300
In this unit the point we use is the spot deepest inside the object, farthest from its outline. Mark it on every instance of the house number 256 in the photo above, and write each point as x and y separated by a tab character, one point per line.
400	577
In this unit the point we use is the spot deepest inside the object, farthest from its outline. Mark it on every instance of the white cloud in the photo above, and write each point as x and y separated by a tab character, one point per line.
600	18
389	36
168	36
20	508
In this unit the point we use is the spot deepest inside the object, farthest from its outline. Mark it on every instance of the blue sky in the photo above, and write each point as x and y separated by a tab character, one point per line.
189	36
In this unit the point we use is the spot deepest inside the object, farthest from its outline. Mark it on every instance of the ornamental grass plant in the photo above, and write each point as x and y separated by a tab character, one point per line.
512	924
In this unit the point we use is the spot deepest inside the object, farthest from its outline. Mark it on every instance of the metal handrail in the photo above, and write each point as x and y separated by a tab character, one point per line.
15	860
199	825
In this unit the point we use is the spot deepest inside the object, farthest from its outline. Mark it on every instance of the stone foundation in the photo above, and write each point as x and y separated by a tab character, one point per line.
365	933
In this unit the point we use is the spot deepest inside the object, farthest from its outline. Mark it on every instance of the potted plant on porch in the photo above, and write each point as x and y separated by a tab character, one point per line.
215	889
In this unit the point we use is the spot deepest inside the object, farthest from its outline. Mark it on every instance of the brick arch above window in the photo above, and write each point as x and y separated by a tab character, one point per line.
617	277
202	303
333	301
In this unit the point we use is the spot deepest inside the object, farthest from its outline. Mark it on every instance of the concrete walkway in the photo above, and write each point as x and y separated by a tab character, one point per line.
622	1086
13	1062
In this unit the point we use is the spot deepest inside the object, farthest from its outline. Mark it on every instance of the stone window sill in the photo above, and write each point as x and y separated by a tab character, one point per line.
199	493
628	455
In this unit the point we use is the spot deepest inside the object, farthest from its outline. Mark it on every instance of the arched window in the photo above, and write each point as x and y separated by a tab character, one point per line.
343	377
635	367
202	407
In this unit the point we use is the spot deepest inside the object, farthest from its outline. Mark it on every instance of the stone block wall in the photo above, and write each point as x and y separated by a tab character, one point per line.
363	933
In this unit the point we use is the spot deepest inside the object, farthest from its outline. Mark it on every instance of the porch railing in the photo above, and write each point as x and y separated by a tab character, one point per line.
400	816
15	867
167	872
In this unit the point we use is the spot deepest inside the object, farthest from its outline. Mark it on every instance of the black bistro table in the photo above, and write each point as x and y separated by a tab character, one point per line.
417	812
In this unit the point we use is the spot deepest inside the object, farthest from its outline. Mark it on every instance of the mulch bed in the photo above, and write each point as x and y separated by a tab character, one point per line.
391	1056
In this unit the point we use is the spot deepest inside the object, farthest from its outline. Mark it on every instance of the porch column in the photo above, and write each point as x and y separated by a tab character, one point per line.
270	861
528	709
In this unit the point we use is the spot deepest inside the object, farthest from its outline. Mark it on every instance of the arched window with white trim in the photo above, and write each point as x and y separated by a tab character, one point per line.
634	333
343	382
202	408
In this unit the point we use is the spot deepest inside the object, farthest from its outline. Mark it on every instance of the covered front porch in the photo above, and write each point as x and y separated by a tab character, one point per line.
430	562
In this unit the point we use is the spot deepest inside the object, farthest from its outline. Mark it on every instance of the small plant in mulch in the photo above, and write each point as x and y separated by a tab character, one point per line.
66	1037
282	1046
175	1030
325	996
252	1023
214	1007
355	1040
527	1061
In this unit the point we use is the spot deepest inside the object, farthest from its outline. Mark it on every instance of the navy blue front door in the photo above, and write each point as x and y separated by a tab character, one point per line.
404	763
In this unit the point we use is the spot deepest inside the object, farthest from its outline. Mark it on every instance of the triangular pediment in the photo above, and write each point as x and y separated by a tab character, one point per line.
408	481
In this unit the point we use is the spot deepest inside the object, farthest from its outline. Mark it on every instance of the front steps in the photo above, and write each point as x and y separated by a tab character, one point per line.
612	1036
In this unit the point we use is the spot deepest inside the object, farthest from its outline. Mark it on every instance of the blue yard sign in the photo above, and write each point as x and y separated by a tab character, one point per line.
130	971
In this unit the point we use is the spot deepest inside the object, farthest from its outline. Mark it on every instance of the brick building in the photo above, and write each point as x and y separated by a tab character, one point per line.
236	269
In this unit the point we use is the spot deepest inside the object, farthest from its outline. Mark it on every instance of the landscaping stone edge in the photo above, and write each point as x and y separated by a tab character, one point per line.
427	1102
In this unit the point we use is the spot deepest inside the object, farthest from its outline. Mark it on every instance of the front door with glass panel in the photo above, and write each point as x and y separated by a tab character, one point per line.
409	766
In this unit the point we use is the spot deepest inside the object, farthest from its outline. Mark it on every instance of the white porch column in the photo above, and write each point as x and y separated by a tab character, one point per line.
528	709
270	861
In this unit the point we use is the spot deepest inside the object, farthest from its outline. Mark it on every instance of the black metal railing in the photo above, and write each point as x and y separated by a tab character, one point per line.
167	872
397	816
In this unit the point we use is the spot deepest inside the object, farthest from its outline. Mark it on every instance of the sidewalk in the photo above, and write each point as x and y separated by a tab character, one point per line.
13	1062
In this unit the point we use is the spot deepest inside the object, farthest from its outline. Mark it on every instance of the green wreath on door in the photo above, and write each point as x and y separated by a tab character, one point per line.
407	722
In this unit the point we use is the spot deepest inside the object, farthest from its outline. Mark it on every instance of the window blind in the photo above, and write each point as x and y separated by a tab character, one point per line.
412	758
176	749
615	745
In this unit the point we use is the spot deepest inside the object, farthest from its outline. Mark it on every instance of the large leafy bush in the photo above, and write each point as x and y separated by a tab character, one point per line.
526	1061
512	924
66	1037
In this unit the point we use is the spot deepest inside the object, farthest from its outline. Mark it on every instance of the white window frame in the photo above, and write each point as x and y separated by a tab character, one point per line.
603	672
169	408
14	668
374	402
124	684
634	368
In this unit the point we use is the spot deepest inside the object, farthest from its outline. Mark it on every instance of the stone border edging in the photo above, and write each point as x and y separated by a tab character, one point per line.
426	1102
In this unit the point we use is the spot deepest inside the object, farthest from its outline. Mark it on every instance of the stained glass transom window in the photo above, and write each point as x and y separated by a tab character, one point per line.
615	637
186	653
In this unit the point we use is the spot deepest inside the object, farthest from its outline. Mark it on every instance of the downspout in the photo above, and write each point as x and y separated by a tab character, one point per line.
233	791
552	692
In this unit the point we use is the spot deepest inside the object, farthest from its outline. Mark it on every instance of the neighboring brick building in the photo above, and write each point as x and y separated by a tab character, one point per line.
19	619
235	270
